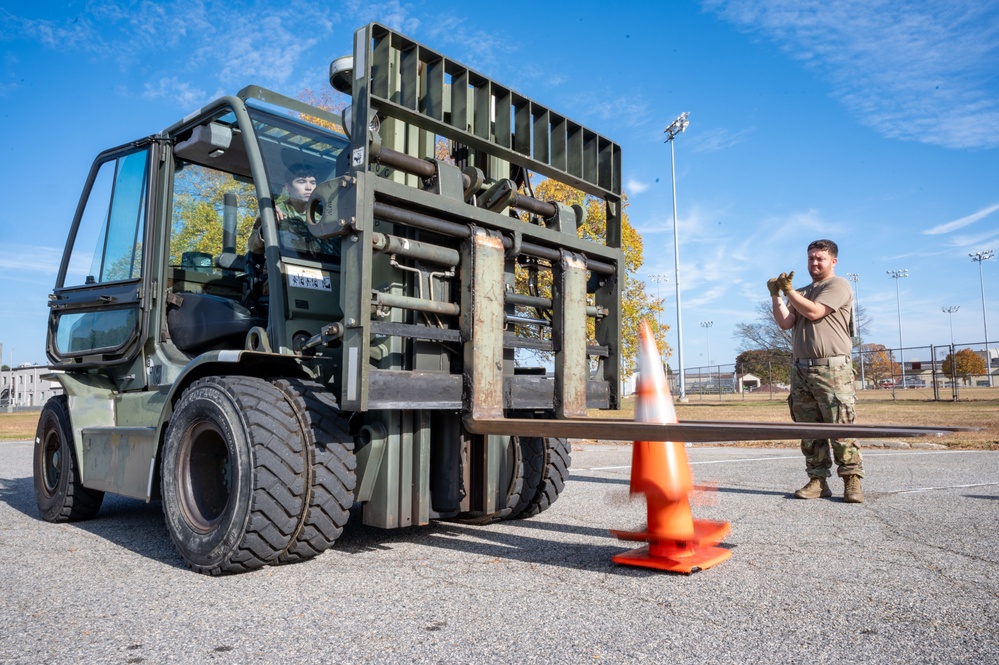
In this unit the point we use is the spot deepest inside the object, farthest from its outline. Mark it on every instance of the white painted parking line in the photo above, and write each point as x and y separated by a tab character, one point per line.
746	459
719	461
943	487
741	460
871	453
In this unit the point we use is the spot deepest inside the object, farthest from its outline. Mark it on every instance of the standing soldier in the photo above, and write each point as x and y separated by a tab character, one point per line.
822	375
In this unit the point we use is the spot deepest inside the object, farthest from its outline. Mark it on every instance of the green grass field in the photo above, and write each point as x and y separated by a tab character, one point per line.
873	408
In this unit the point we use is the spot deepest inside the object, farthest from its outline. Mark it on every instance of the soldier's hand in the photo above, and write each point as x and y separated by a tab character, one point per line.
772	286
784	282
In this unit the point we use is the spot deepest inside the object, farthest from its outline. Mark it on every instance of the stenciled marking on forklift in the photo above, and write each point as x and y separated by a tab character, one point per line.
308	278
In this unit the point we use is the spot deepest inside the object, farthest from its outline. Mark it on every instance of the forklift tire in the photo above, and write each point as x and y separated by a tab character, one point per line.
60	495
550	465
234	475
331	450
519	484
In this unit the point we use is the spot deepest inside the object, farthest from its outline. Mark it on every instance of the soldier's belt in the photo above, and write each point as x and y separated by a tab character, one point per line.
835	361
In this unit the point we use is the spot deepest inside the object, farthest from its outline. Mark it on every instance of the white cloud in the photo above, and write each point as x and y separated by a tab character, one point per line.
393	14
635	187
627	111
20	258
715	140
480	50
179	92
962	222
919	73
184	39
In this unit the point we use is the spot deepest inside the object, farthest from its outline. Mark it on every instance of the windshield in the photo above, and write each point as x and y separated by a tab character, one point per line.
297	157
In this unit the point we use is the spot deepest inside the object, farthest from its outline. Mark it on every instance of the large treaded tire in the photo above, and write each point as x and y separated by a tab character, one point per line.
234	475
550	465
60	495
333	466
518	484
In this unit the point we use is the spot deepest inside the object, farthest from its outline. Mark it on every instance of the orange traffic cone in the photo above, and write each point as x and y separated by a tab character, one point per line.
660	470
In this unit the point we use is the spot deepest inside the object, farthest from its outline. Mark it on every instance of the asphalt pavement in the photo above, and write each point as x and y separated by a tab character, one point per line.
910	576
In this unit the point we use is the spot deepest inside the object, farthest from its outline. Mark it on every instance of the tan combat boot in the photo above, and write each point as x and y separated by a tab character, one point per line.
851	490
816	487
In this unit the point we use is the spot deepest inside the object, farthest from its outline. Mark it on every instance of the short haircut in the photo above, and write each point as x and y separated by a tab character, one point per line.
824	245
302	170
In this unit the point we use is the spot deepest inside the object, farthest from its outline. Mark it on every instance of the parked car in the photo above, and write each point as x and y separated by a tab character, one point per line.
900	383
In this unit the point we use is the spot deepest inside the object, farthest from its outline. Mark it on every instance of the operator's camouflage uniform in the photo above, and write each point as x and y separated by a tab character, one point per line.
293	233
825	395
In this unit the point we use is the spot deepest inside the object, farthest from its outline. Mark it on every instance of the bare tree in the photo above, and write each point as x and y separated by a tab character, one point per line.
765	334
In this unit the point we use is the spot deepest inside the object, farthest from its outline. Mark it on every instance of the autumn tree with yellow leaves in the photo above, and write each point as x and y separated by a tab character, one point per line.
879	362
965	364
636	302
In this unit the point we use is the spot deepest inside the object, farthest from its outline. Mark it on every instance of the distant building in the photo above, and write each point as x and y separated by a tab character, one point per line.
24	388
747	382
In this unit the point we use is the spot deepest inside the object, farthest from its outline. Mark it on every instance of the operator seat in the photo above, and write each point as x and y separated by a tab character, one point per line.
200	322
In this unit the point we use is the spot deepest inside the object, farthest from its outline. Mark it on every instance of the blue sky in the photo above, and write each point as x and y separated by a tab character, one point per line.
874	123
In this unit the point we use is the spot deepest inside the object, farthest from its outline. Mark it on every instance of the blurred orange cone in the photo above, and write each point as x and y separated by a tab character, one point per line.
660	470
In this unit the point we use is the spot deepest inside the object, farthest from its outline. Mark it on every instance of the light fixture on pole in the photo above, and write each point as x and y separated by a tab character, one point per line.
707	325
981	257
676	128
897	275
949	311
857	341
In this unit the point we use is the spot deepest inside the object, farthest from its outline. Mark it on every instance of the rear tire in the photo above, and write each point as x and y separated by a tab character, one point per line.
333	466
59	492
234	475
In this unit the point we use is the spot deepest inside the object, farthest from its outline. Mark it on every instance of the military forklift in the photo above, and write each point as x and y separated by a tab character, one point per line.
367	356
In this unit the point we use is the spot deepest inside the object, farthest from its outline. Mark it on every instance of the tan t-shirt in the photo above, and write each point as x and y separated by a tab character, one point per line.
829	336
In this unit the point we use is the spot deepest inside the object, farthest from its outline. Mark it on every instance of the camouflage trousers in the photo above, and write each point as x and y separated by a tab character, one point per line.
826	395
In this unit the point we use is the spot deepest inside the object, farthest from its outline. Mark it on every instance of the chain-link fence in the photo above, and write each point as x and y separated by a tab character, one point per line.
936	372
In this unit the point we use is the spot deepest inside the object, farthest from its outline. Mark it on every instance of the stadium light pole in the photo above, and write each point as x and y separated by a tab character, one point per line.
707	341
854	277
659	278
982	257
949	311
674	129
897	275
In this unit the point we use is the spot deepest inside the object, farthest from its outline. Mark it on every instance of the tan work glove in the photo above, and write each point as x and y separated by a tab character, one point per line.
772	286
784	282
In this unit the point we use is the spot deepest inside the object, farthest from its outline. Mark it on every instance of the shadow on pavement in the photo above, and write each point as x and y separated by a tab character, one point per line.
495	542
130	523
